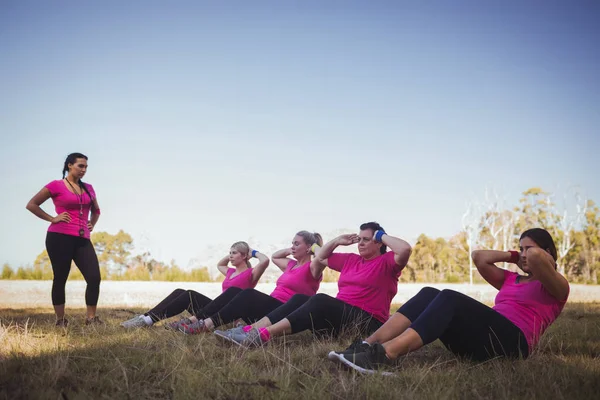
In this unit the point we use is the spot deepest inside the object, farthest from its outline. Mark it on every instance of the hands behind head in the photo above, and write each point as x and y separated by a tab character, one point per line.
347	239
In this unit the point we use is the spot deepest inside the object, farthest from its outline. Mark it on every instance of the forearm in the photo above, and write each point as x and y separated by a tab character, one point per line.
326	250
262	259
487	257
283	253
397	245
94	219
223	262
38	212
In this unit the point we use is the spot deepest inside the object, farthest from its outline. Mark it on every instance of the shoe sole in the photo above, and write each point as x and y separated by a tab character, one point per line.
362	370
333	356
226	339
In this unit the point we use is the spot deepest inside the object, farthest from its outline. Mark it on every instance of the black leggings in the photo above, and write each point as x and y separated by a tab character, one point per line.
467	327
250	305
62	250
195	303
325	315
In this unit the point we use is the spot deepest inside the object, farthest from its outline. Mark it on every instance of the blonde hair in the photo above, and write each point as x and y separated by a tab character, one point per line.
243	248
311	238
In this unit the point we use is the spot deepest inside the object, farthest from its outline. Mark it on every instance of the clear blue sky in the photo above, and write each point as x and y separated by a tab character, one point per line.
210	122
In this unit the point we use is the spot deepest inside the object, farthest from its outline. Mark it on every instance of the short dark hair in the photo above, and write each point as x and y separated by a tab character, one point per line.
543	239
374	226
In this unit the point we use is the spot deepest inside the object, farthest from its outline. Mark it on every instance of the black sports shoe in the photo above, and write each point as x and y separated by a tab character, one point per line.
358	346
372	361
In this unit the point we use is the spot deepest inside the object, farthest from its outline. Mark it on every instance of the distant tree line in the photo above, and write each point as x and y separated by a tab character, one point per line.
485	225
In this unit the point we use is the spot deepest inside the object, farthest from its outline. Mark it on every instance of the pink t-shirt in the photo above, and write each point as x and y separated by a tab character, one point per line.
65	200
367	284
242	281
295	281
527	305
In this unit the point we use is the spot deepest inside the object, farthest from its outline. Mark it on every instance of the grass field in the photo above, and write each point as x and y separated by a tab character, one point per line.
38	360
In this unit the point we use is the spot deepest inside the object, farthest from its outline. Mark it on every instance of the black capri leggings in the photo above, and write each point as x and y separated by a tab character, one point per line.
195	303
467	327
325	315
62	250
250	305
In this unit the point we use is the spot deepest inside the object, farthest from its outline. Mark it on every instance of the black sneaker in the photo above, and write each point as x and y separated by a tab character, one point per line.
358	346
372	361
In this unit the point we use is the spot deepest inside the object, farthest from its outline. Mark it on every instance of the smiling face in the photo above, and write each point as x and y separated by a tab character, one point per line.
78	169
299	247
368	248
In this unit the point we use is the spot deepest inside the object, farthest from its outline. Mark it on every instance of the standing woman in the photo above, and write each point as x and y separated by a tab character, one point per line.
68	237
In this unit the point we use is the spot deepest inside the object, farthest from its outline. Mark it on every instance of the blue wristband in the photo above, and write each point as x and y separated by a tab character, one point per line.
254	253
379	234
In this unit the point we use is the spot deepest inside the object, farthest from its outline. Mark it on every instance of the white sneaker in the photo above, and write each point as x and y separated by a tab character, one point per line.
135	322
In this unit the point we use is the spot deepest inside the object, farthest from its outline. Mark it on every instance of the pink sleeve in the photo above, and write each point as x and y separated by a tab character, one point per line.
336	261
507	275
389	262
53	187
291	264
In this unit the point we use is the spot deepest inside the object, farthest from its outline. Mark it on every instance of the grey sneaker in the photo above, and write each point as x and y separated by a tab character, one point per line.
194	328
372	361
235	335
176	324
135	322
252	339
358	346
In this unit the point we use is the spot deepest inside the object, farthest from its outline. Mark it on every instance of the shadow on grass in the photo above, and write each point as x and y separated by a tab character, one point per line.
41	361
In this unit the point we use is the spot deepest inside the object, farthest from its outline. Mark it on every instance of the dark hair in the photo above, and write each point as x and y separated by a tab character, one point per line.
71	158
543	239
374	226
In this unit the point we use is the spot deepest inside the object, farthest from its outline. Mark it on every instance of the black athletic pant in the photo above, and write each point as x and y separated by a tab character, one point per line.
250	305
325	315
62	250
467	327
195	303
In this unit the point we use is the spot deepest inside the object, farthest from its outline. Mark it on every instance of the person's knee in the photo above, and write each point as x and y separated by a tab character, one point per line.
450	295
94	281
59	280
429	291
320	298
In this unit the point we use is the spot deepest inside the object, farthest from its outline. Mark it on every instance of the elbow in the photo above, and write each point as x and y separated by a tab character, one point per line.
29	206
476	256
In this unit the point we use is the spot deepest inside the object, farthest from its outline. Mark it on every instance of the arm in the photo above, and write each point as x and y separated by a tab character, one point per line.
261	267
95	215
34	206
484	261
401	249
320	261
222	265
543	267
281	259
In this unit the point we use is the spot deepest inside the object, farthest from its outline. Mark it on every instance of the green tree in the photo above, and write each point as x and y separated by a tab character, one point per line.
7	272
113	250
